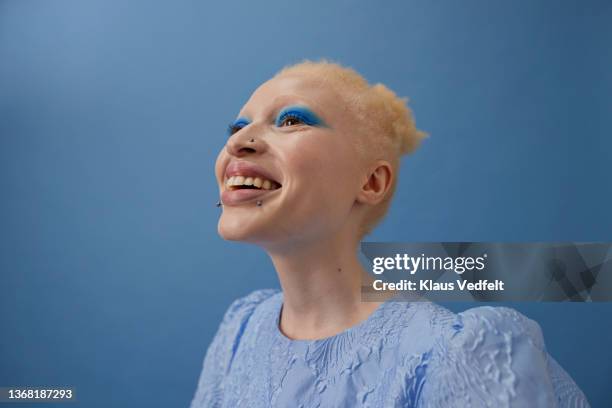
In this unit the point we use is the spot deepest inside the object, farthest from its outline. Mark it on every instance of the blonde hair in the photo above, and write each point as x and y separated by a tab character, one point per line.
386	123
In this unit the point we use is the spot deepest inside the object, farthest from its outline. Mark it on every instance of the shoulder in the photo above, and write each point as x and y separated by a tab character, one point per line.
236	317
246	310
526	350
496	325
242	308
485	325
491	356
222	349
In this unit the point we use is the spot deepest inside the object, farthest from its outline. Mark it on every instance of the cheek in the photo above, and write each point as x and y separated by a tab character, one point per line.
323	177
324	162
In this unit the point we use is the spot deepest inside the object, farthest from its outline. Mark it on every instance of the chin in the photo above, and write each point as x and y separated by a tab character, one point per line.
247	229
231	230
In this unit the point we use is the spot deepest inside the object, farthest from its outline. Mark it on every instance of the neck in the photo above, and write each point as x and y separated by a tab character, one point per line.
321	282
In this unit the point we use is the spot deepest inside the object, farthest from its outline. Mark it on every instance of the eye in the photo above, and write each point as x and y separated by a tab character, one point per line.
236	126
298	115
232	128
290	120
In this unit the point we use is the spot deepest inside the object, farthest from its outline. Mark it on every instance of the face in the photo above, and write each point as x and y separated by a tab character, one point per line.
289	171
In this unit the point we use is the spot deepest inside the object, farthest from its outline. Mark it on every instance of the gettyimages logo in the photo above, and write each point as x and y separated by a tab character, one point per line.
414	264
491	271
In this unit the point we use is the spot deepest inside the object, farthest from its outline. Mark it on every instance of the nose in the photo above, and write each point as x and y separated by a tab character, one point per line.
244	143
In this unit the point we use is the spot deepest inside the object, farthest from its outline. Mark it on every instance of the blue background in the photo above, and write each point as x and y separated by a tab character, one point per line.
113	279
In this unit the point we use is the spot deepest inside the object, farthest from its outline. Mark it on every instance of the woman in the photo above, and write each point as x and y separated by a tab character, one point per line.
309	168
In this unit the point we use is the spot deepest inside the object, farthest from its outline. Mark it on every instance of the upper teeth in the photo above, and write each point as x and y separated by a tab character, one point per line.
250	181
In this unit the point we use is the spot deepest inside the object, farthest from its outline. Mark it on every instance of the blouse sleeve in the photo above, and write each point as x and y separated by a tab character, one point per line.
222	349
491	357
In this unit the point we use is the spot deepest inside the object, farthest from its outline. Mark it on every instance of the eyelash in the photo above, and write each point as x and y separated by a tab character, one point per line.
296	117
235	127
290	116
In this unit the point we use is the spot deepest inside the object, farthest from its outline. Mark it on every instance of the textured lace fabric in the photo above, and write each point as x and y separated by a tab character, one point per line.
406	354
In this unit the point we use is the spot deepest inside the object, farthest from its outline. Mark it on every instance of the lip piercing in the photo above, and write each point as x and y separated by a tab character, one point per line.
252	140
259	203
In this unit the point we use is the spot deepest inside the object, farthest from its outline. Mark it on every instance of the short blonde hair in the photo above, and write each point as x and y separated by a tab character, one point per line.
386	123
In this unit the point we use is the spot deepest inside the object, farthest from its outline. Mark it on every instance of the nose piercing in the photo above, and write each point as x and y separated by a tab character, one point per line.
219	204
259	202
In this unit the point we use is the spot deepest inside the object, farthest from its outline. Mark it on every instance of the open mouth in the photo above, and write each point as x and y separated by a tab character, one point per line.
239	182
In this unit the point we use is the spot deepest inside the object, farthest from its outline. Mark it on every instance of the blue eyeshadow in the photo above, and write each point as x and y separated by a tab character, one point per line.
241	121
302	113
238	124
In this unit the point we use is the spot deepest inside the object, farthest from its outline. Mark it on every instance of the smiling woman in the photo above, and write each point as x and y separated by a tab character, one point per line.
308	169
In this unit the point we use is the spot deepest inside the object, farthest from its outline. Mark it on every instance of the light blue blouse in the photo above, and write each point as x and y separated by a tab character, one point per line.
406	354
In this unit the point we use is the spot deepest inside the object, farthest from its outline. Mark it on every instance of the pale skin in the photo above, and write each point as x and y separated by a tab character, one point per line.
310	225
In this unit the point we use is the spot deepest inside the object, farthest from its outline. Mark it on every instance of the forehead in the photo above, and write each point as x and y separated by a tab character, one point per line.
302	89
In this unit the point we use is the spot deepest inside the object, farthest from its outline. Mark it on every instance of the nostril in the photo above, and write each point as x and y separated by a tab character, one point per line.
246	150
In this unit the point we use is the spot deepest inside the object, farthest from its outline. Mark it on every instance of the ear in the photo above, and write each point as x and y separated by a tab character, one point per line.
377	183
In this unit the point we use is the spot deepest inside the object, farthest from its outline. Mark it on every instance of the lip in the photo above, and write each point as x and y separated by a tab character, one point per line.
236	197
245	168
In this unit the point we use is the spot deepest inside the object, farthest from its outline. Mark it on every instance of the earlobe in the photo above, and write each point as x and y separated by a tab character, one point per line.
377	183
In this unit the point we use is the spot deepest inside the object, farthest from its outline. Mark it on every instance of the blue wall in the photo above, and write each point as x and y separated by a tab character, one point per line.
112	276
